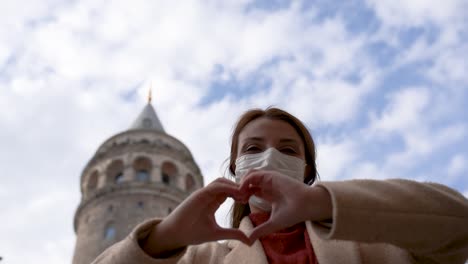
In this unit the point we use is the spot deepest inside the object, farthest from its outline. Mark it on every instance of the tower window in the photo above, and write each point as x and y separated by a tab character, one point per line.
165	178
142	175
114	172
141	204
168	172
119	178
110	232
92	181
143	167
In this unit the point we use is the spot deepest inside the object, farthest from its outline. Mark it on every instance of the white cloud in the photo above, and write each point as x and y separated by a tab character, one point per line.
334	158
403	112
450	66
457	165
437	43
17	18
366	170
324	101
441	59
413	115
92	40
38	225
417	12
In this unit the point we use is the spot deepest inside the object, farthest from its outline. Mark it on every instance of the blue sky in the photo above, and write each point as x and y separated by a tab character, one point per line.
381	84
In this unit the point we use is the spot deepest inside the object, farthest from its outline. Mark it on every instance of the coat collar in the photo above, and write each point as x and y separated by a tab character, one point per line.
330	250
242	253
327	251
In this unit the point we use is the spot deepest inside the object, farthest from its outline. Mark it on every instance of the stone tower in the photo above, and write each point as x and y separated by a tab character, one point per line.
135	175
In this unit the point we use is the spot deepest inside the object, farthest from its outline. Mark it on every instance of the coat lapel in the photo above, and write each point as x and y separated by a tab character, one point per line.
327	251
242	253
332	251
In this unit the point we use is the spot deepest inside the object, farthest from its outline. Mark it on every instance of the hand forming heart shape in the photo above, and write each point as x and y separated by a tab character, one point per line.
193	221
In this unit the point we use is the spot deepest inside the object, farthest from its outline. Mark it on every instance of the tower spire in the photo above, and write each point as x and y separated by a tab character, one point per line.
150	96
148	119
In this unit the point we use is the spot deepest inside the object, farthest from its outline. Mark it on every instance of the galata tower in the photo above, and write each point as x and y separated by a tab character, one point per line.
138	174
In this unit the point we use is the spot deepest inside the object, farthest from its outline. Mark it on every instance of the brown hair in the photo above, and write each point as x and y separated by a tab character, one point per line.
240	210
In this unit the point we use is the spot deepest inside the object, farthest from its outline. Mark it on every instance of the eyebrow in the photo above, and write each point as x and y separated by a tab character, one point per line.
283	140
254	139
288	140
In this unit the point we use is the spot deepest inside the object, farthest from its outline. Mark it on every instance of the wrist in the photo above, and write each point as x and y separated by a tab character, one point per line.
161	241
322	207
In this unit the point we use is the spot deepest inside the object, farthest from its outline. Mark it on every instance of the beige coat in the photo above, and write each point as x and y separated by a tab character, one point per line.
393	221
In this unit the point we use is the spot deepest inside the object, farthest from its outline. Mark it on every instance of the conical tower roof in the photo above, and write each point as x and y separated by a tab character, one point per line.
148	119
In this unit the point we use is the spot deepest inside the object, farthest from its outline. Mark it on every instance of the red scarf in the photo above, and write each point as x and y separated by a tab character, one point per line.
290	245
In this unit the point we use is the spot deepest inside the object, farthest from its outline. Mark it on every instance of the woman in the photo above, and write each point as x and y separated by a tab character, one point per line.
277	218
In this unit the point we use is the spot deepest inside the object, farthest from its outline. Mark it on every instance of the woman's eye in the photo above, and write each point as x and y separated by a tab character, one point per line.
252	149
289	151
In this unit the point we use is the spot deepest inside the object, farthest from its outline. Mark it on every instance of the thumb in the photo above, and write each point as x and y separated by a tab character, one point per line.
262	230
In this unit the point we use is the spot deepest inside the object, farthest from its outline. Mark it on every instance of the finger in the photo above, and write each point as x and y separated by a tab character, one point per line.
219	200
220	189
226	181
223	188
254	177
259	182
262	230
257	178
241	196
231	233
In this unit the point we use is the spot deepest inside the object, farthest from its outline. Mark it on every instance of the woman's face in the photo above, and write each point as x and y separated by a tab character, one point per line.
263	133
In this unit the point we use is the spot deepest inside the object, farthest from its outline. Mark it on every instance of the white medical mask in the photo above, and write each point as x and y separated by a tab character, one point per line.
270	159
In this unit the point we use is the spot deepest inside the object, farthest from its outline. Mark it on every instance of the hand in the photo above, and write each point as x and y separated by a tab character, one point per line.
193	221
292	201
